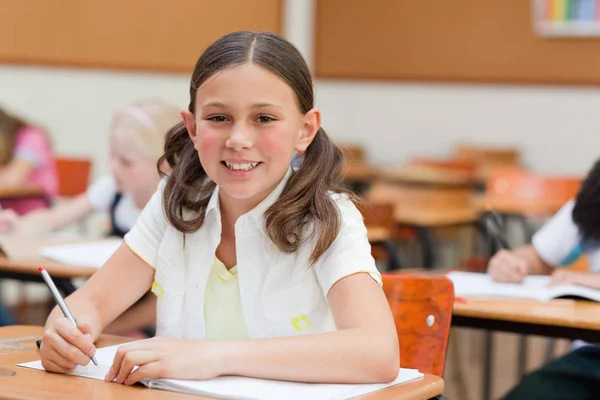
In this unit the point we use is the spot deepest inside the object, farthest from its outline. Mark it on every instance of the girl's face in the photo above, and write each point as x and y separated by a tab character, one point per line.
246	126
135	173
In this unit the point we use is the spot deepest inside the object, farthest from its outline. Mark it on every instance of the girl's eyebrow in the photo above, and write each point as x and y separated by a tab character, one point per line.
222	105
263	105
213	104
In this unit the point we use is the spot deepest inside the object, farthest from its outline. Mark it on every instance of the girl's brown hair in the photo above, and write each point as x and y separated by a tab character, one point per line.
10	125
306	199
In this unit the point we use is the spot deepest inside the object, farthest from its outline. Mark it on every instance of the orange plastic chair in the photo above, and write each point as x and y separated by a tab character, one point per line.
73	175
513	190
422	309
581	265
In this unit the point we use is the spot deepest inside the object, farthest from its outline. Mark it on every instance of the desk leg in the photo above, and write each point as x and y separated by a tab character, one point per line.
488	342
426	242
393	257
522	357
549	350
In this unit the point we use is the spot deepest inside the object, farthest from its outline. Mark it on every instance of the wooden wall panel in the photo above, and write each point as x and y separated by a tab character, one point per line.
160	35
458	40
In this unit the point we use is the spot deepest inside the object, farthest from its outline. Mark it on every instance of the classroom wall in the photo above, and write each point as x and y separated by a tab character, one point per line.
557	127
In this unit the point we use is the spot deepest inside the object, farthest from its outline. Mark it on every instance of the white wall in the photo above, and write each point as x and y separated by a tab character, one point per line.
76	105
557	128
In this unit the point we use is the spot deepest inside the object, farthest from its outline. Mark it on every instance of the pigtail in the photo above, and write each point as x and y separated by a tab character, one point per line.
307	199
187	186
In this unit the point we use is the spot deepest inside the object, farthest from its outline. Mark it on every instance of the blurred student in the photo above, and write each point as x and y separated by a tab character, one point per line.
26	159
137	135
571	233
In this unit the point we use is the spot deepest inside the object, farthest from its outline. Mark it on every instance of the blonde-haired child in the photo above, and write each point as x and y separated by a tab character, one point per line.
137	135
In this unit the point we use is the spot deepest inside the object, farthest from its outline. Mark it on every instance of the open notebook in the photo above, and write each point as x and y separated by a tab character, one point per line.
233	387
535	287
87	254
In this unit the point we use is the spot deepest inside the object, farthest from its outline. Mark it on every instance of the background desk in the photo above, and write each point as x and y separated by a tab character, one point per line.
554	319
22	192
21	258
32	384
580	320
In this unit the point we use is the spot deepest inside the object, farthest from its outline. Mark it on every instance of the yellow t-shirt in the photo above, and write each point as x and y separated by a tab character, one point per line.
222	304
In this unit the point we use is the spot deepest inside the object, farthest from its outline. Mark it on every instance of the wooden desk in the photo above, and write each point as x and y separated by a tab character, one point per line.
532	209
427	176
570	320
424	208
21	192
378	234
32	384
574	320
21	259
430	218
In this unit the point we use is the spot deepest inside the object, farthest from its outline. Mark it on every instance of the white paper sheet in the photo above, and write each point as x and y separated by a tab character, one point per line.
234	387
88	254
534	287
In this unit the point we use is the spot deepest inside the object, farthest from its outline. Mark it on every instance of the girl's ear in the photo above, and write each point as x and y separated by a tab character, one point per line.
310	126
190	123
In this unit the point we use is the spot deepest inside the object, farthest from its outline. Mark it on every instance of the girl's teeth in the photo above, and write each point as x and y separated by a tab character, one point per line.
242	167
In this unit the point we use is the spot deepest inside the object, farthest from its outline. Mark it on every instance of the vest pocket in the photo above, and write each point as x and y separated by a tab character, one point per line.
169	288
294	311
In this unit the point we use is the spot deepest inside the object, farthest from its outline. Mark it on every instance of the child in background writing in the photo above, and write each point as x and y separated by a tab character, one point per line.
137	135
571	233
249	258
26	159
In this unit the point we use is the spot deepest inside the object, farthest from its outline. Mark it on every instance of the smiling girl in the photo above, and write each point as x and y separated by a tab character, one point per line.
248	258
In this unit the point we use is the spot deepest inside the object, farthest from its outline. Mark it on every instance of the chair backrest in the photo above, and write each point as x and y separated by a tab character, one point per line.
378	214
580	265
514	185
491	155
353	153
488	158
73	175
422	309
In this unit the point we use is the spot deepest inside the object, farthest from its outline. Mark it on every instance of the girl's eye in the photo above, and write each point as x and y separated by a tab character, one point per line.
263	119
217	118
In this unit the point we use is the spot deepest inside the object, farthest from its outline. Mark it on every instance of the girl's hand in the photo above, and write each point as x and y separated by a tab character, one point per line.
506	266
64	346
564	277
163	357
9	221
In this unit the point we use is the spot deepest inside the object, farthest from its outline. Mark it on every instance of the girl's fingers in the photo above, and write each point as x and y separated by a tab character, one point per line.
64	349
125	362
74	337
151	370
